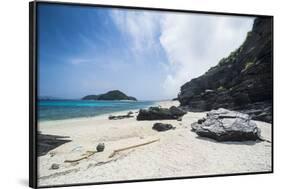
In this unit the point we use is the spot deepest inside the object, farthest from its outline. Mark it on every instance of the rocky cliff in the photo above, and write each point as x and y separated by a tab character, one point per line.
242	81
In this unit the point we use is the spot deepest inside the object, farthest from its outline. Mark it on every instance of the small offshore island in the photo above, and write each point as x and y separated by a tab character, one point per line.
220	123
110	95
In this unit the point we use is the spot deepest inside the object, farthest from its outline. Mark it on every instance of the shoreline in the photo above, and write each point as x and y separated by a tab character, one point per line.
178	153
123	112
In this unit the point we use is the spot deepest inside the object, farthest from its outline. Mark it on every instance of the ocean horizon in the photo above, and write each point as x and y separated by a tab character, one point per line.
52	110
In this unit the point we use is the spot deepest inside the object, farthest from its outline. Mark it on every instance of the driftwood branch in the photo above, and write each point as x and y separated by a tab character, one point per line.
130	147
90	153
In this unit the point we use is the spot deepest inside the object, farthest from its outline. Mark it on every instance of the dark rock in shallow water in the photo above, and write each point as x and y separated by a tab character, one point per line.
157	113
129	115
226	125
241	81
162	127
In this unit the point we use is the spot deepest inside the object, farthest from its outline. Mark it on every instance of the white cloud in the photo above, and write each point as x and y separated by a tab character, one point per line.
192	42
139	27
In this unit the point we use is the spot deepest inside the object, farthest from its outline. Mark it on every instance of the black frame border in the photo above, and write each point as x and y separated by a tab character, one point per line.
33	92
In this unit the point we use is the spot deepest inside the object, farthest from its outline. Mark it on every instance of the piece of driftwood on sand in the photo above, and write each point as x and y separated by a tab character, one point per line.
130	147
90	153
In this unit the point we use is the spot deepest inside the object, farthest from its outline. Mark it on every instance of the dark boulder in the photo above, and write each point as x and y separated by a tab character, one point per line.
55	166
162	127
226	125
157	113
100	147
176	111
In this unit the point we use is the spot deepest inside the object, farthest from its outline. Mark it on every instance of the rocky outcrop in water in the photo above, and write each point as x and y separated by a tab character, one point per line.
226	125
157	113
242	81
117	117
110	95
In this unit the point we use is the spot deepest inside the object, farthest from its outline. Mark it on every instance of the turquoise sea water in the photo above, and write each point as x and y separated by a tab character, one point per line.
67	109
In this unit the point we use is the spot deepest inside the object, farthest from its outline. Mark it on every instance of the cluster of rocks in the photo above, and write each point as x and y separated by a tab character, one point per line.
158	113
226	125
261	111
129	115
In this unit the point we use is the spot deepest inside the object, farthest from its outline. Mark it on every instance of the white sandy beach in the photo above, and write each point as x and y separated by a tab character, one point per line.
178	153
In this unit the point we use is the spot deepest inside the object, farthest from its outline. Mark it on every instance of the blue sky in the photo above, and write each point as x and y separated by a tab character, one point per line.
146	54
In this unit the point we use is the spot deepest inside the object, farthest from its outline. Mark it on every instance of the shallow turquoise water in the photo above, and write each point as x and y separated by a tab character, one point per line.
67	109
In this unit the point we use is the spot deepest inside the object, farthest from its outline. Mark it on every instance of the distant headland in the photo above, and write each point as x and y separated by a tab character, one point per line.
110	95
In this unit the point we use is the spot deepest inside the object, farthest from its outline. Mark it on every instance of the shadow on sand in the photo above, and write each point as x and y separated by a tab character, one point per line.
47	143
246	142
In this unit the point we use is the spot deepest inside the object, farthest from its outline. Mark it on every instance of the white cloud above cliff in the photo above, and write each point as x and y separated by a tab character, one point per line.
192	43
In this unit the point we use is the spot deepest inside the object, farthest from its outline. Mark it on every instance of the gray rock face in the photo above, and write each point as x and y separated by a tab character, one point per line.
226	125
162	127
157	113
241	81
